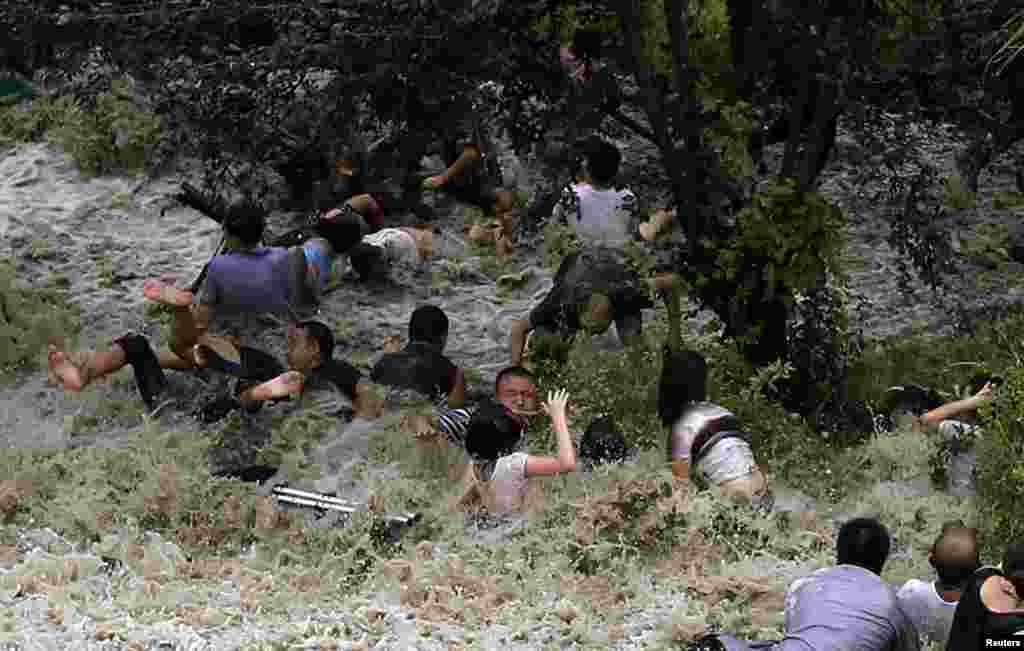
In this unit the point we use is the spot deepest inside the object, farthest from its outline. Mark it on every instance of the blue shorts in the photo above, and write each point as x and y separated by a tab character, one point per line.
317	256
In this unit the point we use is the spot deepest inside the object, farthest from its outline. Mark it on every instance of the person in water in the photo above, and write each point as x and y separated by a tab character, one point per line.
704	436
991	606
498	472
931	605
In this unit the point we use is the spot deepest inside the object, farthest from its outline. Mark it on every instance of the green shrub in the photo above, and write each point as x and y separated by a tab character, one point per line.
956	195
559	241
115	134
990	241
29	121
945	363
29	317
1008	200
1000	472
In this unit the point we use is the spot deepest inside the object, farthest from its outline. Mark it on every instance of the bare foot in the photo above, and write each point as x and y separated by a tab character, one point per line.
286	384
424	238
647	231
392	344
157	290
62	371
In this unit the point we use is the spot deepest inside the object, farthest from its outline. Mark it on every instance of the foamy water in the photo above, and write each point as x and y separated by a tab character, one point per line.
106	235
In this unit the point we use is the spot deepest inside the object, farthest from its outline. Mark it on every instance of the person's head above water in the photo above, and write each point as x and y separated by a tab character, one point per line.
603	442
492	432
310	345
516	389
863	542
683	382
602	162
586	44
245	222
955	555
429	324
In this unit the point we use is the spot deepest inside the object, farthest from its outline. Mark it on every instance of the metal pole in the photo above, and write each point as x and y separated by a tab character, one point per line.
321	501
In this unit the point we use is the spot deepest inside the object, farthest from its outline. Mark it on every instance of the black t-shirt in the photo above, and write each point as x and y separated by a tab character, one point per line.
419	366
973	621
582	274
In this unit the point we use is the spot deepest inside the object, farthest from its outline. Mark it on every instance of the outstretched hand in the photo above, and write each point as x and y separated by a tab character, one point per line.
985	393
556	403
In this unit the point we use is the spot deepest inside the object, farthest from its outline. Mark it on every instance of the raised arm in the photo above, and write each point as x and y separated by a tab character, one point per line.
457	397
953	409
566	459
517	341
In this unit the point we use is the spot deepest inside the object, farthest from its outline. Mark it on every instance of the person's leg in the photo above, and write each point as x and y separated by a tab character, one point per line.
171	361
366	402
629	327
286	384
670	286
503	200
77	370
470	153
184	331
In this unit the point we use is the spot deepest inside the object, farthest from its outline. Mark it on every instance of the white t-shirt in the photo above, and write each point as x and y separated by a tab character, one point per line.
608	217
932	616
398	244
509	482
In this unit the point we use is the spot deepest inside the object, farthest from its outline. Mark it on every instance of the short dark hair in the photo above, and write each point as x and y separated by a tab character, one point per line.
863	542
513	371
323	336
1013	561
428	323
954	554
246	221
586	44
492	433
684	376
603	442
603	161
368	261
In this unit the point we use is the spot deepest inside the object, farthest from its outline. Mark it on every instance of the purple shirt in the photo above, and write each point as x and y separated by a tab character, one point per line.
845	608
249	281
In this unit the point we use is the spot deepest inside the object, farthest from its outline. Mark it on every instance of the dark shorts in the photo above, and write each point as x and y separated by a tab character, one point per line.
475	186
580	276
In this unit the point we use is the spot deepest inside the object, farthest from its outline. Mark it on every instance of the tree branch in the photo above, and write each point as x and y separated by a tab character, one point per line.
632	125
